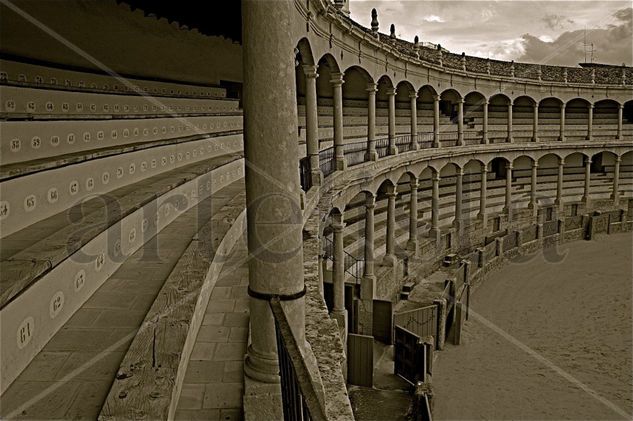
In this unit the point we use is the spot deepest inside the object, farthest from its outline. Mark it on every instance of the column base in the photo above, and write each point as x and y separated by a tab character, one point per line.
341	164
561	138
389	260
371	156
415	146
533	208
588	137
460	142
367	287
435	235
483	217
535	139
510	139
393	150
615	198
341	319
485	139
316	178
261	368
413	247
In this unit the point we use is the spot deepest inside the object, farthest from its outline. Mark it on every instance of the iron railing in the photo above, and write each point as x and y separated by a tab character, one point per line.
301	400
355	152
352	265
382	147
327	163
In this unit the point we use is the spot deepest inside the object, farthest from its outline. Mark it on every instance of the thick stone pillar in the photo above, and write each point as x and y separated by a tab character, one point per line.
372	155
436	121
391	95
414	121
532	205
339	153
272	191
535	123
615	192
561	137
510	139
586	193
312	124
390	253
559	185
412	243
620	119
460	122
459	178
435	207
590	122
338	276
482	195
508	203
485	124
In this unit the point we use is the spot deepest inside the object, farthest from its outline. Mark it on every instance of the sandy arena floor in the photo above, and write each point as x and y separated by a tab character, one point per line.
546	340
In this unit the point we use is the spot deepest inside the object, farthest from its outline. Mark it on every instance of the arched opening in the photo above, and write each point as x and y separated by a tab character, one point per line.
549	110
474	104
426	116
498	118
449	107
576	119
523	119
385	89
605	119
355	117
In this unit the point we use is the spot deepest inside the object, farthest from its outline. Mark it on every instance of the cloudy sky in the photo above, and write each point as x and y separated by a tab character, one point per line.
549	32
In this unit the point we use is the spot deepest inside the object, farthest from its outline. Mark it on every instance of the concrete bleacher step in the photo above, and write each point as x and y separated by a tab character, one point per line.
29	253
71	376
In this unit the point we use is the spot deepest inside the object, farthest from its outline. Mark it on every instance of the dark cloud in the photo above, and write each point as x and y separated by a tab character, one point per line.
612	44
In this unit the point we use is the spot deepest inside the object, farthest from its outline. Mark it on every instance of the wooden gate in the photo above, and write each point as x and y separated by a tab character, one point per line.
360	360
410	361
420	321
383	321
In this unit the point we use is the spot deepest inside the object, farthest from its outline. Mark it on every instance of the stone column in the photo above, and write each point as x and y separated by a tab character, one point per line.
508	204
590	122
435	207
412	244
482	195
414	121
460	122
535	123
273	191
312	124
615	193
459	178
436	121
338	277
339	153
390	253
532	205
585	196
485	125
510	139
391	95
368	281
561	137
620	119
370	205
559	186
372	155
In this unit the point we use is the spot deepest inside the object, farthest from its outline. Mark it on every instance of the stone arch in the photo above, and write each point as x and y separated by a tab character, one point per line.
304	52
327	67
605	113
356	83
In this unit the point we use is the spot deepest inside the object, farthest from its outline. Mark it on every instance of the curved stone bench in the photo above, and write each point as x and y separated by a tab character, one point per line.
145	209
151	374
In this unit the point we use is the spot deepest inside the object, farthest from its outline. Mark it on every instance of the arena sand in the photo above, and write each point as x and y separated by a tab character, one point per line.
566	347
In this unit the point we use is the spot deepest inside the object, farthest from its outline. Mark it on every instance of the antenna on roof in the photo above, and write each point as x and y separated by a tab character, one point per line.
588	47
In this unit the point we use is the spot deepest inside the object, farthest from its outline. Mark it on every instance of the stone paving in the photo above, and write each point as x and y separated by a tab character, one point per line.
71	377
214	382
